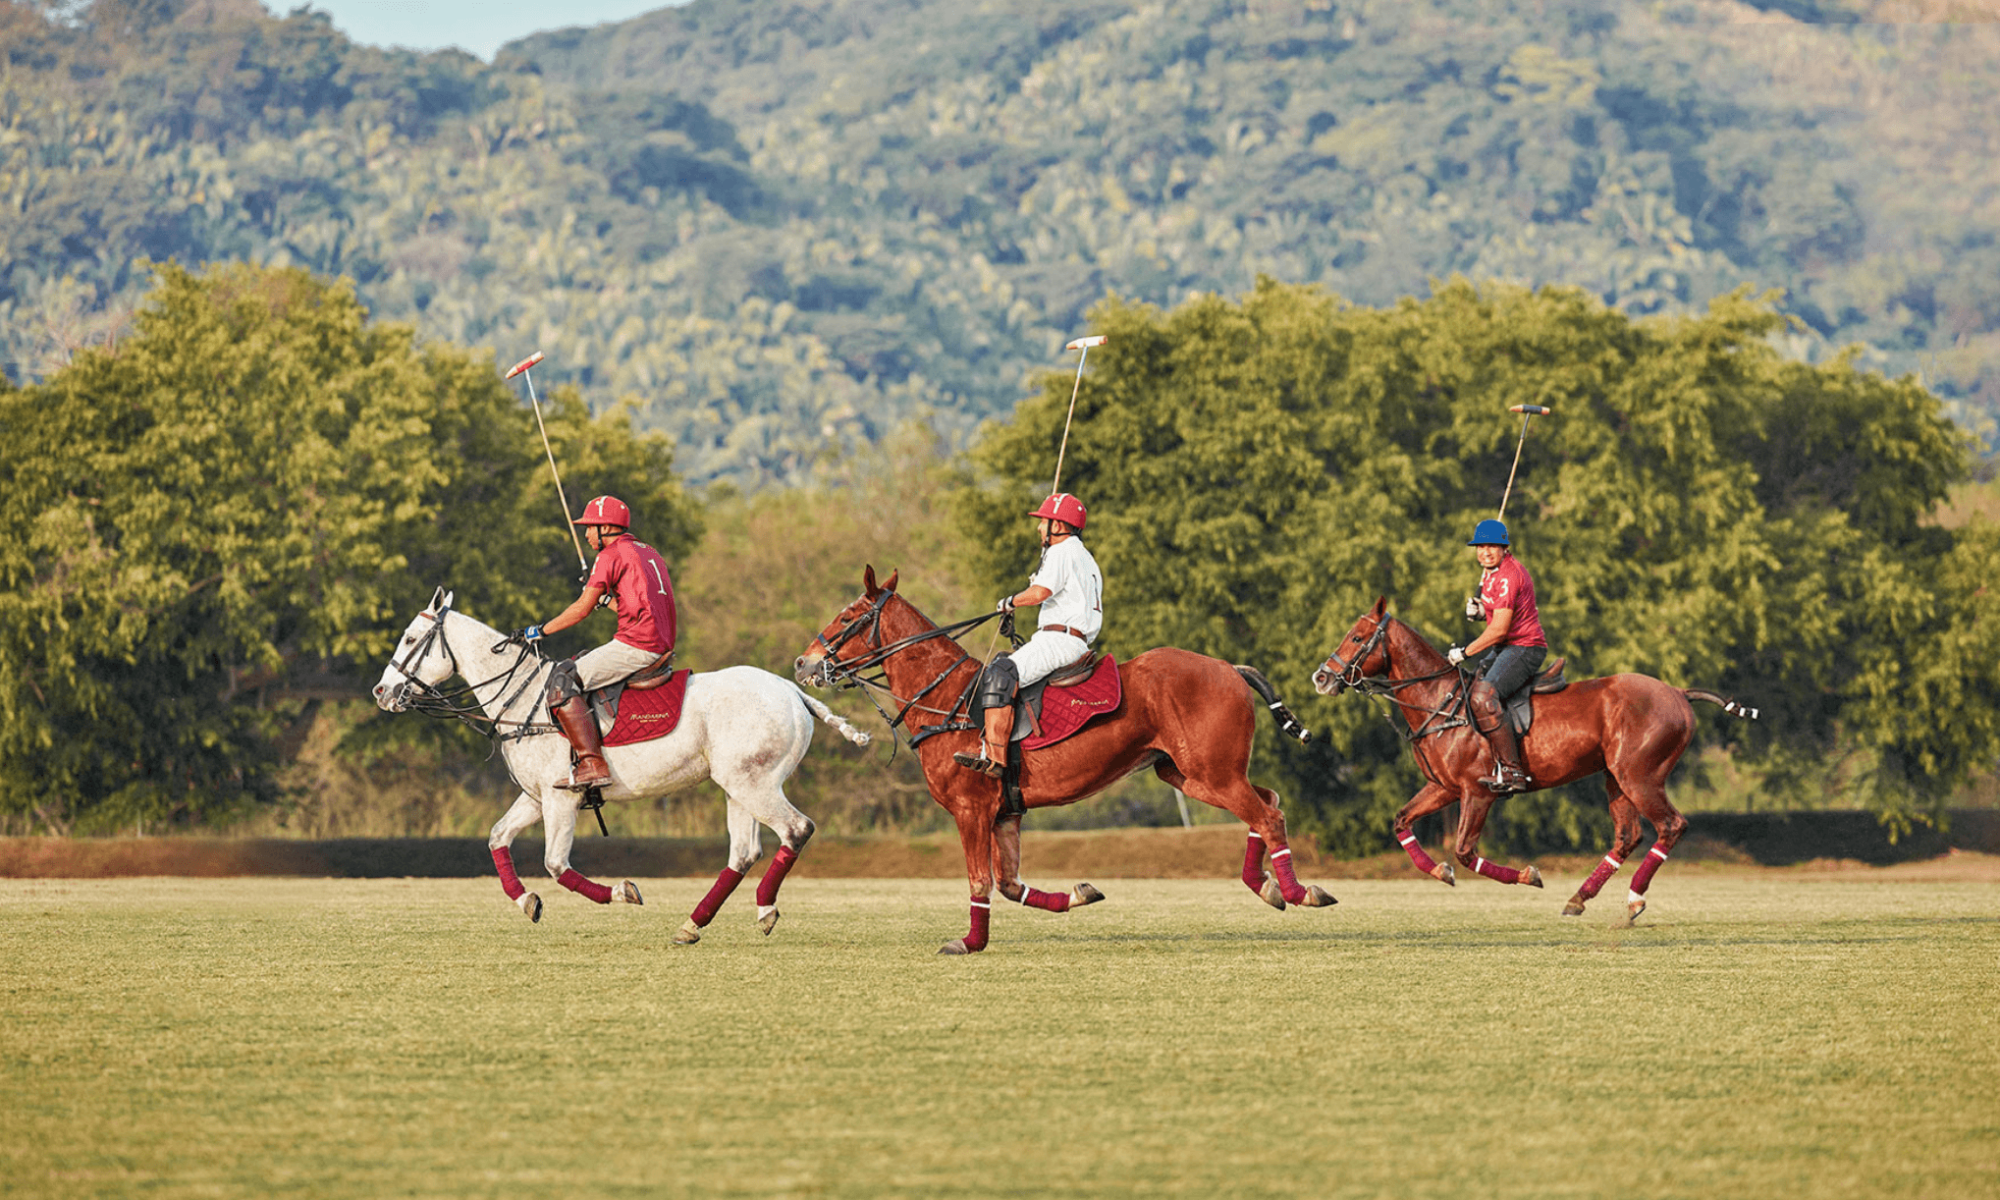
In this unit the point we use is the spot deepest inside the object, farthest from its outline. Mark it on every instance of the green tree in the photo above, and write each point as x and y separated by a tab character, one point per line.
221	522
1698	508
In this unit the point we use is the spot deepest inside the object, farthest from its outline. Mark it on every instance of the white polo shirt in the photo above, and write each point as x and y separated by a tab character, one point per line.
1076	589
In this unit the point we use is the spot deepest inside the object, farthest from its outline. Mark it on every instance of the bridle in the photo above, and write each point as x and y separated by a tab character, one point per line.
1453	713
463	704
834	671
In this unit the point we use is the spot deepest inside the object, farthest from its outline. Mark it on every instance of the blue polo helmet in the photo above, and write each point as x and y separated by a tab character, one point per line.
1490	533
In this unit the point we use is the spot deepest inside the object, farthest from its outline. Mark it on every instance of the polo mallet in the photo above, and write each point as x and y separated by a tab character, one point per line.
1528	413
522	368
1084	344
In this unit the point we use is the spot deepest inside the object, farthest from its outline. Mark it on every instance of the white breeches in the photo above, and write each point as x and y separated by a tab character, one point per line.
611	662
1047	653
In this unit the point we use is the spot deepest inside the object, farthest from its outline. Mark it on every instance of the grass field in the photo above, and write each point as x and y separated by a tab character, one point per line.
1759	1034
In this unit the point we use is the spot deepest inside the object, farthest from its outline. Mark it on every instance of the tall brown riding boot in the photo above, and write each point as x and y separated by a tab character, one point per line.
1510	774
992	758
579	725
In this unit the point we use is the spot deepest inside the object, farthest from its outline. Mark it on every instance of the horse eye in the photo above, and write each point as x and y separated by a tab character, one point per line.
409	641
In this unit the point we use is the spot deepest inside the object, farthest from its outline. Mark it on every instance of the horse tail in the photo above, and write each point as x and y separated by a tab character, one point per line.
857	736
1732	707
1288	724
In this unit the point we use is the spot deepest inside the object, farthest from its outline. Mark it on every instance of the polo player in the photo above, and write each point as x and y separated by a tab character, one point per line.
635	577
1506	602
1070	591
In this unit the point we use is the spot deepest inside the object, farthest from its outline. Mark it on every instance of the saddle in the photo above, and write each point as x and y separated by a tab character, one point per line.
1028	701
604	701
1521	705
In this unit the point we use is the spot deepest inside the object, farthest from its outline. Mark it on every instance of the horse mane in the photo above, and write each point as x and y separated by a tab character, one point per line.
1424	658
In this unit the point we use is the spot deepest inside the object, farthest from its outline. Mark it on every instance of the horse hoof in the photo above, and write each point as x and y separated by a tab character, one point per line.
1574	908
1632	911
1272	894
1318	897
1532	876
1084	894
955	947
766	921
688	934
532	905
627	893
1446	874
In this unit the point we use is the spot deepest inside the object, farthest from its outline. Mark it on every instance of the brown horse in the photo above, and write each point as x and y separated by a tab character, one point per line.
1185	715
1631	727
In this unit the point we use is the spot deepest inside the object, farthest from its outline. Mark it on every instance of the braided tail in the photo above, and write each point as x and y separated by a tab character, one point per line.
1732	707
1288	724
857	736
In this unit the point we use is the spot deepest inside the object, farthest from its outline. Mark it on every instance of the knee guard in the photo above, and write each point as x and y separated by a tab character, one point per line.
1485	707
564	683
998	683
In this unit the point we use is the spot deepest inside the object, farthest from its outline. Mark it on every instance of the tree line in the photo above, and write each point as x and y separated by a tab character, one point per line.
211	531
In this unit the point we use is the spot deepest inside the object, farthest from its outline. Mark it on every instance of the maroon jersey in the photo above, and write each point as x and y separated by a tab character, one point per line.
637	579
1508	586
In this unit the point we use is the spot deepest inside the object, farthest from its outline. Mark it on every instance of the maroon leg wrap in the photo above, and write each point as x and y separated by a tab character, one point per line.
1046	901
1253	862
1288	883
1602	875
1415	850
510	883
584	887
1496	871
781	862
1644	875
725	883
982	916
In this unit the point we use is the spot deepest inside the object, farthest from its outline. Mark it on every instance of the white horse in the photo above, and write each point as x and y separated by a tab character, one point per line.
744	728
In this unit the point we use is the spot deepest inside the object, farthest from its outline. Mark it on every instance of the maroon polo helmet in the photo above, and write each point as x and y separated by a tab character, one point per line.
606	510
1065	508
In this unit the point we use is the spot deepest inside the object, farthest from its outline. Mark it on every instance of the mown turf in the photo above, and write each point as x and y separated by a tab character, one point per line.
1754	1036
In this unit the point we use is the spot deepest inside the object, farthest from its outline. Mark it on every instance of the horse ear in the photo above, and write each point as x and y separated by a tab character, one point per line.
448	598
889	585
868	587
435	597
1381	606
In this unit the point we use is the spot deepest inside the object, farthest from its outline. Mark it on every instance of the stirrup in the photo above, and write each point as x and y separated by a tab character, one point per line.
573	784
1507	781
980	763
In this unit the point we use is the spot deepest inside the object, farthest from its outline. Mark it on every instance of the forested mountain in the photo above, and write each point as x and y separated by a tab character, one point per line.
776	224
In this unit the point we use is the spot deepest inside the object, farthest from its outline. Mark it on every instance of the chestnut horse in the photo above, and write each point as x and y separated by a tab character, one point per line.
1185	715
1631	727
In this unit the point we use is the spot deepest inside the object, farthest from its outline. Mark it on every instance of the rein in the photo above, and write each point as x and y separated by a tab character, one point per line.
434	701
844	673
1453	713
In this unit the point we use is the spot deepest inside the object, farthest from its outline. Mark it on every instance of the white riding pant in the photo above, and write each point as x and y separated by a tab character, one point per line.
611	662
1046	653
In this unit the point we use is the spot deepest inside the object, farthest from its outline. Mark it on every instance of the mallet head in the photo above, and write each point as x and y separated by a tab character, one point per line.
524	364
1086	343
1533	410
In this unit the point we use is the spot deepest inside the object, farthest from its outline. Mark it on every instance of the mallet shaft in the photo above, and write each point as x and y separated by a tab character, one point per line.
1084	344
522	368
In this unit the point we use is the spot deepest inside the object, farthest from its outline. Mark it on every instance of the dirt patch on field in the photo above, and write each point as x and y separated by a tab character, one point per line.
1205	852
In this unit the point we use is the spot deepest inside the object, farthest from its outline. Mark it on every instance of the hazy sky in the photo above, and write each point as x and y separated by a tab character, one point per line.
480	26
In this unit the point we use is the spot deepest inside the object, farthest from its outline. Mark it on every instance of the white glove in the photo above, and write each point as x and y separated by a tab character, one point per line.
1455	655
1473	610
1006	604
